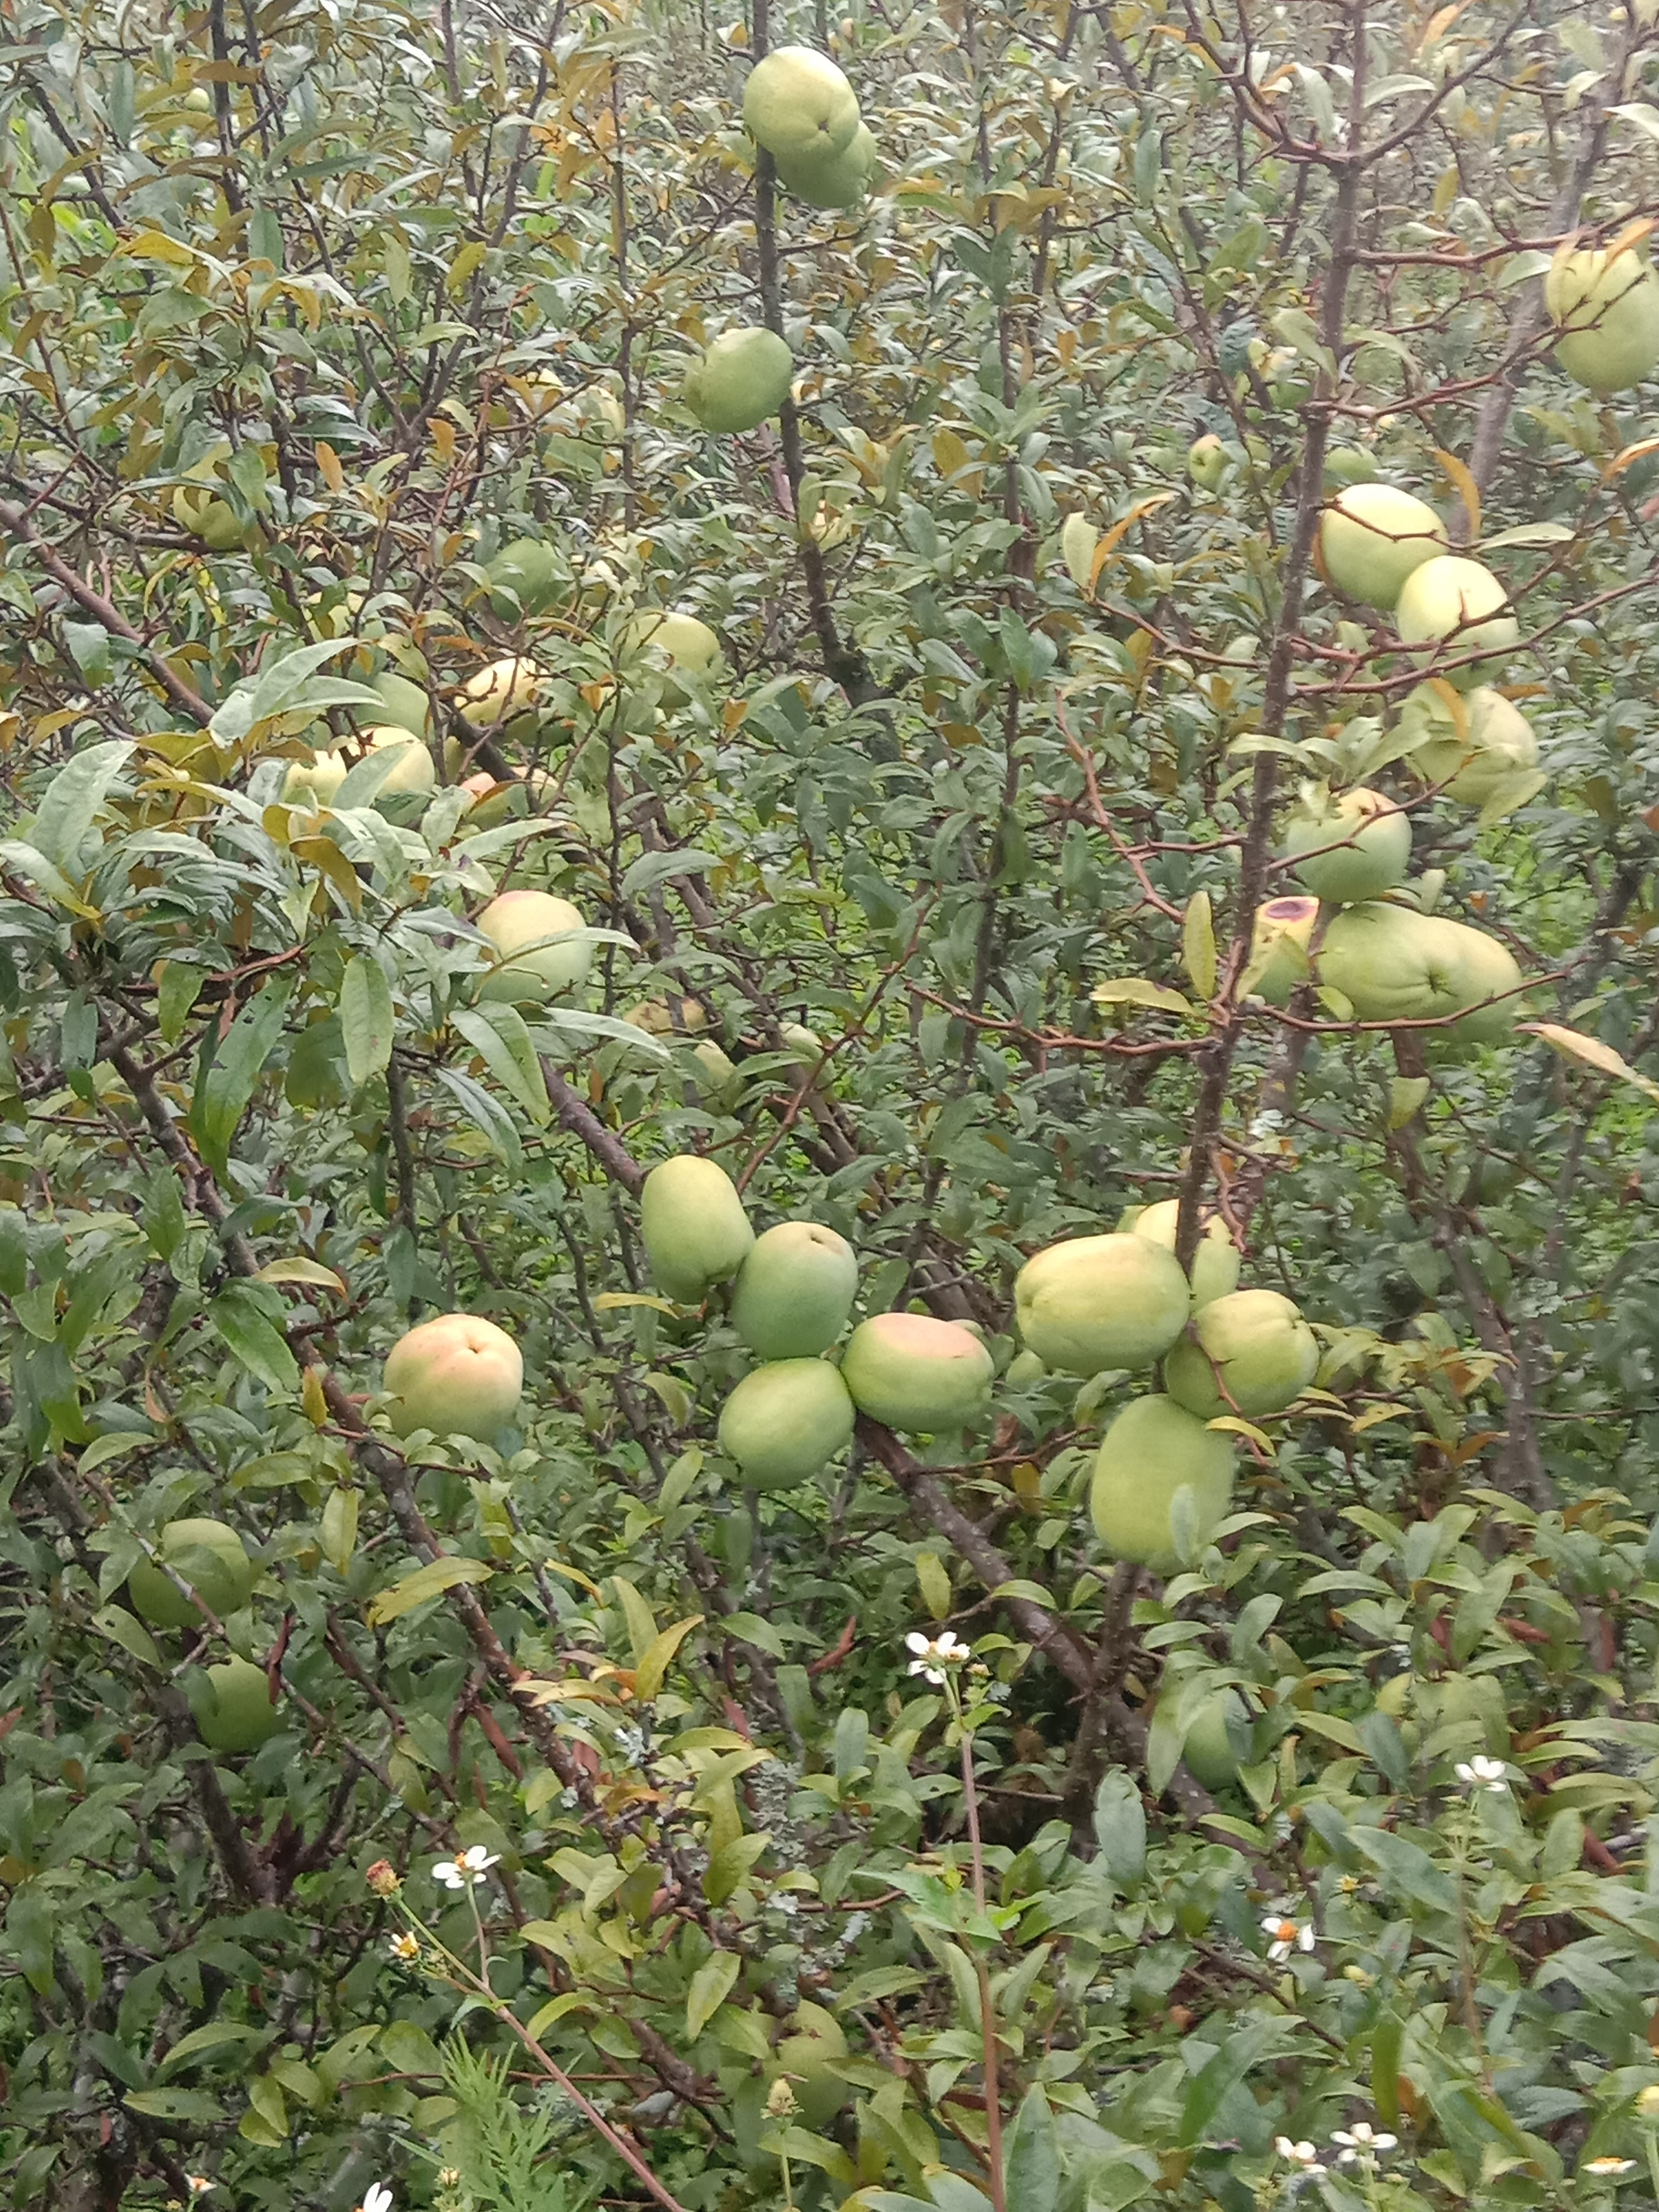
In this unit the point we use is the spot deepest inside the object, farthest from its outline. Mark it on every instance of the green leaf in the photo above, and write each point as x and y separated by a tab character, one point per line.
497	1033
1120	1824
368	1023
654	868
242	1315
193	2104
486	1113
126	1629
1031	2158
218	2035
64	820
228	1080
287	686
711	1985
729	1865
338	1529
430	1580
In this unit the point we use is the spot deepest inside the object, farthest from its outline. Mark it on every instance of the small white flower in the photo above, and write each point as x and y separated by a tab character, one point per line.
1609	2169
199	2184
405	1948
1483	1773
935	1655
1286	1933
465	1871
1301	2155
379	2198
1362	2140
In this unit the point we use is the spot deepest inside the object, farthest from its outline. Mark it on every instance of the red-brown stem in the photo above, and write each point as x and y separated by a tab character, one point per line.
987	2020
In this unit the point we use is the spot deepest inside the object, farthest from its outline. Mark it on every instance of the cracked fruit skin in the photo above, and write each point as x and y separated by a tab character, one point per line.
458	1376
834	180
1461	601
209	1555
1153	1449
1499	743
1266	1353
1376	861
514	925
1394	964
1215	1264
799	105
740	380
239	1715
1100	1302
912	1372
785	1421
1372	538
693	1227
1606	315
1280	933
795	1290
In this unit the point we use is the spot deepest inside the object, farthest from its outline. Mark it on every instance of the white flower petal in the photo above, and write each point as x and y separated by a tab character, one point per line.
915	1641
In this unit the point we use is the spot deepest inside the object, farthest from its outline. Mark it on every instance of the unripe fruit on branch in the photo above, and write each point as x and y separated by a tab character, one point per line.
1207	462
531	934
458	1376
214	520
413	771
682	640
1606	315
211	1556
1372	538
785	1421
504	689
1153	1450
1263	1349
799	105
834	180
795	1290
238	1714
316	779
740	380
1395	964
1209	1749
1473	753
1374	858
1456	599
1216	1262
1100	1302
524	579
912	1372
693	1226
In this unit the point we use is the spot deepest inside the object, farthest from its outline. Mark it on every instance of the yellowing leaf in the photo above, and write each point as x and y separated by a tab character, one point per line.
711	1985
298	1269
608	1302
1077	540
653	1661
1140	991
1198	945
1572	1044
430	1580
1120	529
1464	484
328	461
1406	1093
934	1584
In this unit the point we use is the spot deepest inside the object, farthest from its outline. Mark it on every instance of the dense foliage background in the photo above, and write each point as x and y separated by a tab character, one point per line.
399	286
